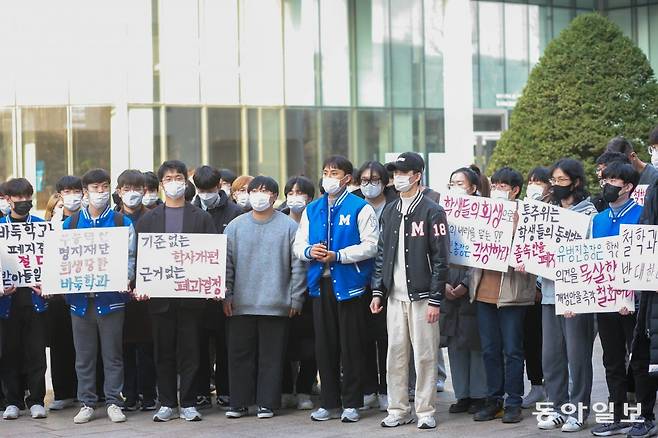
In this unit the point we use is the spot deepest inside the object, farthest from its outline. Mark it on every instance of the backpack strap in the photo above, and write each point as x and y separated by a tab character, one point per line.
118	219
74	220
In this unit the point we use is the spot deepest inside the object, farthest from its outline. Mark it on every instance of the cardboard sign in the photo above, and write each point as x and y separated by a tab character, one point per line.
21	251
86	260
174	265
585	277
480	230
638	268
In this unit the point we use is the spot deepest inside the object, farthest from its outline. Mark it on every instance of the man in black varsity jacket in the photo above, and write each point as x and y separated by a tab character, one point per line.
411	270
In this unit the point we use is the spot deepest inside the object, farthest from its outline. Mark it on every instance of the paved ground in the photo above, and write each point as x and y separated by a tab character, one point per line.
288	423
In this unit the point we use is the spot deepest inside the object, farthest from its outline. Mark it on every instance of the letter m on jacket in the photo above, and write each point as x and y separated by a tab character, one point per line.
417	229
344	219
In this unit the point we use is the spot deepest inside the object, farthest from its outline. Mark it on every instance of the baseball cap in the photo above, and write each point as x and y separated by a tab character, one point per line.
407	161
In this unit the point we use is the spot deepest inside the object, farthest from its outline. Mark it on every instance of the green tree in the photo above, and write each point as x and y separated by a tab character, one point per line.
591	84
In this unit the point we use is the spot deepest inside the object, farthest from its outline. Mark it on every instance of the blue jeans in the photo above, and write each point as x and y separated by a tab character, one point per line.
501	335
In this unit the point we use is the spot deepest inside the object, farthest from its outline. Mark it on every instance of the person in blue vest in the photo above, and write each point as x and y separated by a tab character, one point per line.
23	322
618	181
338	236
100	313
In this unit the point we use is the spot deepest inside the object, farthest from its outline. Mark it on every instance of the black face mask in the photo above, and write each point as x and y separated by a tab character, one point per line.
561	192
611	193
22	208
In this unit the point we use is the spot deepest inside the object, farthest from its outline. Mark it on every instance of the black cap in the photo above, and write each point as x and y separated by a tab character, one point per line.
407	161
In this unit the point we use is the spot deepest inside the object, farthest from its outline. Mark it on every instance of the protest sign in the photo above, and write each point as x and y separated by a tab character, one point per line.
638	267
176	265
480	230
640	193
88	260
585	277
540	226
21	251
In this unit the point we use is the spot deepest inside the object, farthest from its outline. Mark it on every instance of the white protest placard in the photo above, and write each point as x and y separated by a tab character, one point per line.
540	226
480	230
86	260
585	277
638	267
174	265
640	193
21	251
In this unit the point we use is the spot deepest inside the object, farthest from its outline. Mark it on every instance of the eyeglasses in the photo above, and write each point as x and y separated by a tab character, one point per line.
561	180
652	149
372	181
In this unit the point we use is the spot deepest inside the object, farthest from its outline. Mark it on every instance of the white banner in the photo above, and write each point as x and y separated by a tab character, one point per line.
638	268
640	193
88	260
21	251
181	265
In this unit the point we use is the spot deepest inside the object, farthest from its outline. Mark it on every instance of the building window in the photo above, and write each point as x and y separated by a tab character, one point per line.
90	127
184	135
6	144
302	145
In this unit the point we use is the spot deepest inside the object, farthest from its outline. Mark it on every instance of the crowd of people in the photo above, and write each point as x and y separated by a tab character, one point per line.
347	293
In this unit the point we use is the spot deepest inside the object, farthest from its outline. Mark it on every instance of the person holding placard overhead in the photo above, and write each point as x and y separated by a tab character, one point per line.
567	340
99	313
176	321
23	322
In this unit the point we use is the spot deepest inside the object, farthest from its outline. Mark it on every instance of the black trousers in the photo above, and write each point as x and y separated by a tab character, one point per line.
306	372
220	368
24	351
532	344
139	372
256	353
645	385
176	346
375	350
62	350
616	333
339	329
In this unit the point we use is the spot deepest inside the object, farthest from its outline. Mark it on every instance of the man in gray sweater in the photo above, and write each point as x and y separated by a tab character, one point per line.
265	284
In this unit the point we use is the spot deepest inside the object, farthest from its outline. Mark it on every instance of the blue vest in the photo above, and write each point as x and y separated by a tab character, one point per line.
607	224
338	227
38	303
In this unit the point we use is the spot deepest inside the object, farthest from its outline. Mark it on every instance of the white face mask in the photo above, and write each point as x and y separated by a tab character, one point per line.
372	191
150	199
296	203
72	201
208	198
174	189
5	208
132	199
499	194
403	183
458	190
242	199
535	192
654	157
259	201
331	185
99	200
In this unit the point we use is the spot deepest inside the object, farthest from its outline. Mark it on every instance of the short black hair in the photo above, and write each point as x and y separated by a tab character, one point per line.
304	184
653	136
540	174
172	165
206	177
2	189
68	182
610	157
622	171
151	181
338	162
131	177
576	172
374	166
18	187
96	176
620	144
264	181
509	176
190	190
227	175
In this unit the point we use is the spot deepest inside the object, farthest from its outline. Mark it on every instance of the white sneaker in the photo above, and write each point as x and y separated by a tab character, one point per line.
164	414
190	414
304	402
84	415
323	414
288	401
395	421
572	425
427	423
115	414
551	421
11	412
383	402
535	396
58	405
38	411
350	415
370	401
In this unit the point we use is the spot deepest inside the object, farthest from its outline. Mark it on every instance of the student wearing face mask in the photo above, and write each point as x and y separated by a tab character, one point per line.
176	322
648	173
239	192
301	341
99	318
5	208
151	198
338	236
567	340
502	300
226	179
458	321
23	323
211	198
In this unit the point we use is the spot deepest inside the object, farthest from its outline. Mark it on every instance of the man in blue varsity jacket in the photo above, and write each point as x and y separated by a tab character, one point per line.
99	313
338	236
23	323
618	181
